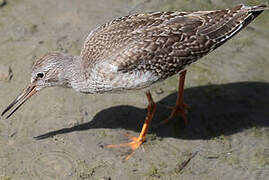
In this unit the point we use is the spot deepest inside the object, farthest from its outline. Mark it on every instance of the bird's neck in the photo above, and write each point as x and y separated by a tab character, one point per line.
73	73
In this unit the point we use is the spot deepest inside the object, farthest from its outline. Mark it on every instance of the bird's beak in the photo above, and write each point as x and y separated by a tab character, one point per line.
21	99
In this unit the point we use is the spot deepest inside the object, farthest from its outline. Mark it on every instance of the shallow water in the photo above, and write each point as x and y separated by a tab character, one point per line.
227	91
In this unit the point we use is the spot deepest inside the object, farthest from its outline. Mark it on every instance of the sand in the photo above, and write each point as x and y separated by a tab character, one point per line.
227	91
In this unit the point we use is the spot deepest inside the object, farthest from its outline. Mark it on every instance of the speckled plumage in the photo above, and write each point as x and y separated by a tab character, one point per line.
135	51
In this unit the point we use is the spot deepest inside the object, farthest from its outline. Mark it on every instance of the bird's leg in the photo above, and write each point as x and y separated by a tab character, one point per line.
136	142
180	107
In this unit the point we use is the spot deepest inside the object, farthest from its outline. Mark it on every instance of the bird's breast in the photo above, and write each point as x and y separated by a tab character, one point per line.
105	77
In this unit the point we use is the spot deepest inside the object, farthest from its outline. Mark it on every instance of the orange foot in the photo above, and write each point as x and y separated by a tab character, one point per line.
134	144
137	142
178	110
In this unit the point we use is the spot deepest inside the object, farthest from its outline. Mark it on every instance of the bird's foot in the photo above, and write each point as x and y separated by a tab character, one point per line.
178	110
134	144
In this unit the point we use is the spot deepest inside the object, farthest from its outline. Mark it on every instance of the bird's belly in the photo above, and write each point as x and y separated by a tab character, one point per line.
110	80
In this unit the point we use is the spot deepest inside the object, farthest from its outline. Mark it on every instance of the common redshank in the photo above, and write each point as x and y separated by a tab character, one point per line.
135	51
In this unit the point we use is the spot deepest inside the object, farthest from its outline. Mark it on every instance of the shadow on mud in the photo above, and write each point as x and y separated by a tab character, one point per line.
215	110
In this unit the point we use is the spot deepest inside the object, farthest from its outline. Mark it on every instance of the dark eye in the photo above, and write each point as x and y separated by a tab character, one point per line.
40	75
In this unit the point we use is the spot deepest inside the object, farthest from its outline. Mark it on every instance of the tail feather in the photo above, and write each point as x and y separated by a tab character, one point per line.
254	12
262	7
242	16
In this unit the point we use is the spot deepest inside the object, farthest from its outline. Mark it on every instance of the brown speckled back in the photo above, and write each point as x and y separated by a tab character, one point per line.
164	42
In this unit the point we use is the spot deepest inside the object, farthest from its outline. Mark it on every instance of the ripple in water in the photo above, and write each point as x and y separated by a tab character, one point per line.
53	165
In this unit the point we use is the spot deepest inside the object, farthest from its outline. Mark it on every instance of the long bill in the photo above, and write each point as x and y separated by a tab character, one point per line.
20	100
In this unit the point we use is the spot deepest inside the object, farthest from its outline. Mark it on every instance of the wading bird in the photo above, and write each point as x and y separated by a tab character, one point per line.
135	51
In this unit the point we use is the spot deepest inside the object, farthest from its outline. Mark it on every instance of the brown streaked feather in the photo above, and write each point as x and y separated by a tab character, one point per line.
46	59
118	33
164	42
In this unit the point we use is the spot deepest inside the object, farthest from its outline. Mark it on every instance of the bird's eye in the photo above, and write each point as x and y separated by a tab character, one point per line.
40	75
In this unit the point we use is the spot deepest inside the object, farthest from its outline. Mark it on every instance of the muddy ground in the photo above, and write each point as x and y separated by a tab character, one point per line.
228	93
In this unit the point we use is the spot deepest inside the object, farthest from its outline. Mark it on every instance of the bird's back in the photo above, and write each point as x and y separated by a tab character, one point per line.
162	43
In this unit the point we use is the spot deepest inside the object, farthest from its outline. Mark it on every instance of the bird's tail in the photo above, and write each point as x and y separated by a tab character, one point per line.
255	11
241	16
259	8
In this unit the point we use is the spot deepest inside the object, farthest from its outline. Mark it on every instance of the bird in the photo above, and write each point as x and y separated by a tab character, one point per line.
136	51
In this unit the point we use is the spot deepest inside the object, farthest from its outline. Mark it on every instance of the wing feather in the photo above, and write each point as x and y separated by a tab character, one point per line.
164	42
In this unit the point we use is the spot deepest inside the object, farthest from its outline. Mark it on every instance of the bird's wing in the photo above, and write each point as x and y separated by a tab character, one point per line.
117	34
164	42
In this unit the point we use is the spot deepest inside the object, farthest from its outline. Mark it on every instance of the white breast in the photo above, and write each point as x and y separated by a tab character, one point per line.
105	77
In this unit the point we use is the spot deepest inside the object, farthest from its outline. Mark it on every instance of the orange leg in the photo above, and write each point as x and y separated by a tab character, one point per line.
180	107
137	142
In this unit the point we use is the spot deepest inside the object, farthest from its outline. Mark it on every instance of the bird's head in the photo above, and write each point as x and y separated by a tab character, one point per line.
50	70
